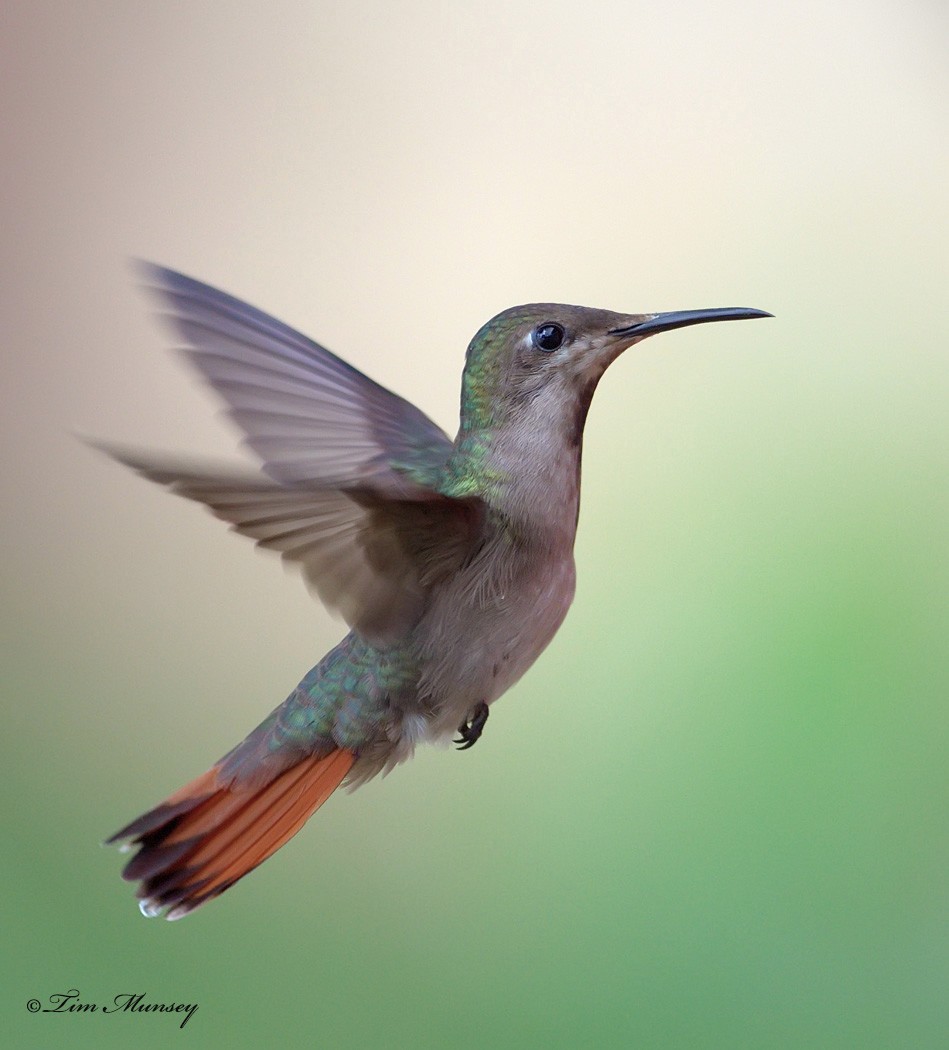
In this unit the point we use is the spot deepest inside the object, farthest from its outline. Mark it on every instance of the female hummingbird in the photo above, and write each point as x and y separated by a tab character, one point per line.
451	561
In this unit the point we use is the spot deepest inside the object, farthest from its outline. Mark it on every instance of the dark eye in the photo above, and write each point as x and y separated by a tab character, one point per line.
547	337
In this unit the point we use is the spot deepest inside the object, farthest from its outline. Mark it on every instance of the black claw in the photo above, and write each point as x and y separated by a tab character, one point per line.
472	727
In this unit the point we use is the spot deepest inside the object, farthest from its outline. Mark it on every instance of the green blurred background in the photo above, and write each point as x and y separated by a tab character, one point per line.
715	814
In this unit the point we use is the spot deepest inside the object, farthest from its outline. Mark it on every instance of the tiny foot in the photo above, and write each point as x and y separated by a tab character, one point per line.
472	727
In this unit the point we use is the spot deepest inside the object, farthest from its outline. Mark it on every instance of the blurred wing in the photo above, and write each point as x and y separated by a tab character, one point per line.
365	556
309	415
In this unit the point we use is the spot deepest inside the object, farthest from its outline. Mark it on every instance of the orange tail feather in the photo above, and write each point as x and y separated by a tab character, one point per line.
209	834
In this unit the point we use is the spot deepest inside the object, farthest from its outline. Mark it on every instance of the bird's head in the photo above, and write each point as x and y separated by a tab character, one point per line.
543	361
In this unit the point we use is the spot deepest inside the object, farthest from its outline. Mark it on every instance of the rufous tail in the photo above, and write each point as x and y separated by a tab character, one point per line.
210	833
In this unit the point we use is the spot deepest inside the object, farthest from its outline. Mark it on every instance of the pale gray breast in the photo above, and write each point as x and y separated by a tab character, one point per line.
487	626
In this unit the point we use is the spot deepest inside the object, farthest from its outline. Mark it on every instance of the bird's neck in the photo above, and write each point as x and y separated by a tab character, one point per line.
529	476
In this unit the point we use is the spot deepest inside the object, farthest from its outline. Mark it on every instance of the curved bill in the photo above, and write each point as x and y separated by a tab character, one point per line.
683	318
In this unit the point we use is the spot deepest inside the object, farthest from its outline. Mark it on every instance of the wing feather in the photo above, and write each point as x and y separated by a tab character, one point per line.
311	416
349	490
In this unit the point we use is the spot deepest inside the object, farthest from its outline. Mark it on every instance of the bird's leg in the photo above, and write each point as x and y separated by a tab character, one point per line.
472	727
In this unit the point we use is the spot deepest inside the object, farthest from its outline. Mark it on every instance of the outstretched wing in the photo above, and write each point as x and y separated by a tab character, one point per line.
370	558
309	415
348	495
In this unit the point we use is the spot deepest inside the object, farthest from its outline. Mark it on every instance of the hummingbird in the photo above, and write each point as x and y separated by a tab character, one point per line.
450	560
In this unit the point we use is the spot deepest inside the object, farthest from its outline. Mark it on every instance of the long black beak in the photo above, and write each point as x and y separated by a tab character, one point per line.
683	318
